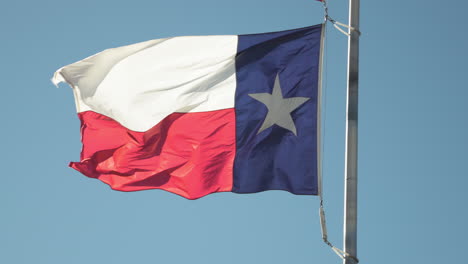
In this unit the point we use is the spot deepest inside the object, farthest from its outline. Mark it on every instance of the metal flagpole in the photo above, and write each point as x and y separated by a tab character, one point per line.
350	205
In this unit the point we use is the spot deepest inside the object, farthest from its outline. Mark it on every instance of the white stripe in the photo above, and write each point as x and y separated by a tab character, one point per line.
141	84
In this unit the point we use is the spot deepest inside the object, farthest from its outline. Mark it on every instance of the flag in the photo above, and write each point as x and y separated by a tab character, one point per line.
197	115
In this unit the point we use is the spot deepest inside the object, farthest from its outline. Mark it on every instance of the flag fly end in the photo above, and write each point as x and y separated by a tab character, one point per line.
57	78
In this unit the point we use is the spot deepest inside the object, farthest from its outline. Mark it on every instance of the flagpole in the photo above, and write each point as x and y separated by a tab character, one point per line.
350	205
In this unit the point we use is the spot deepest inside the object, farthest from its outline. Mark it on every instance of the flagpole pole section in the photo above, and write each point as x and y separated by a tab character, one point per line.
351	173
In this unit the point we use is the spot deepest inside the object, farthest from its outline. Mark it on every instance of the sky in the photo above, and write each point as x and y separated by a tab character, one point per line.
412	140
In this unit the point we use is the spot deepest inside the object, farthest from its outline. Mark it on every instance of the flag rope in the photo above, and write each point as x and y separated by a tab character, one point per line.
338	25
323	224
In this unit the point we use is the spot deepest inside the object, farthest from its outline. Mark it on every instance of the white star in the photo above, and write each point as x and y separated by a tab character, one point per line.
279	108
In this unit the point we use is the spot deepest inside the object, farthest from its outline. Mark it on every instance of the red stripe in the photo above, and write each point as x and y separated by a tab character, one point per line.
189	154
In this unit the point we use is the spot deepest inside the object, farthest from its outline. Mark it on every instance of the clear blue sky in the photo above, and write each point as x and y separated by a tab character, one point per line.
412	142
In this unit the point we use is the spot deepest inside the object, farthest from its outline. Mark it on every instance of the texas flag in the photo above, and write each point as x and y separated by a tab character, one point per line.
202	114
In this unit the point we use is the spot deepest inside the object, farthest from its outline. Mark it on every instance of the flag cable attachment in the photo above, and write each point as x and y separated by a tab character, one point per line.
323	224
336	24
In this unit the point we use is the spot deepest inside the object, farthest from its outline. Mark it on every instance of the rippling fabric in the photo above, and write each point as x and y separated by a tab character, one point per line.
199	115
